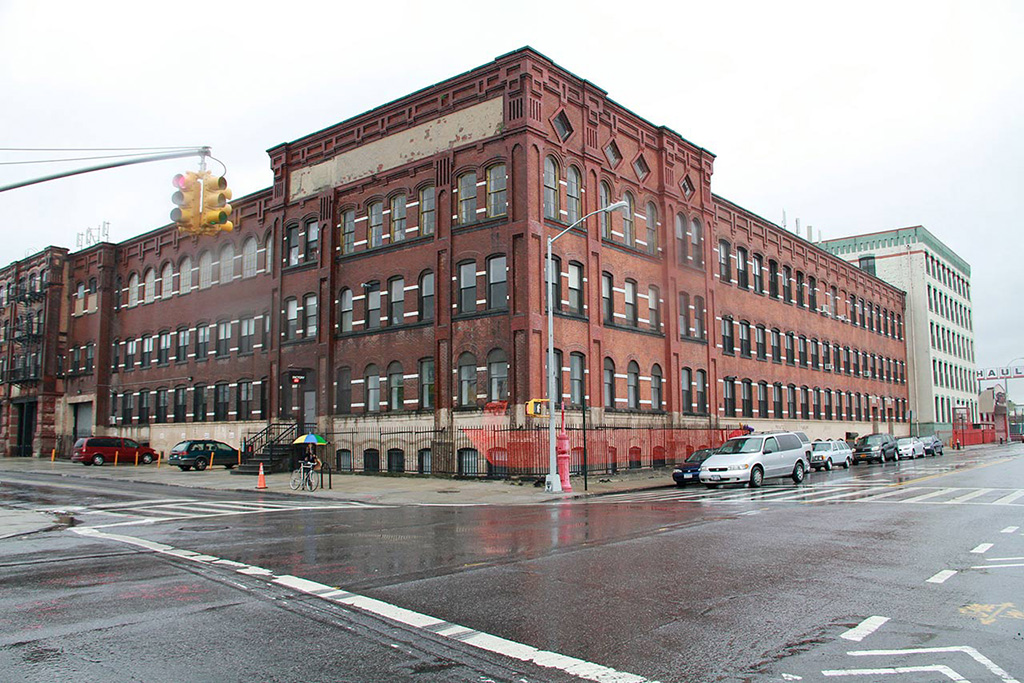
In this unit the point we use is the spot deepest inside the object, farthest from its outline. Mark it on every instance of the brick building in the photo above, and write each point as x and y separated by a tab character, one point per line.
394	274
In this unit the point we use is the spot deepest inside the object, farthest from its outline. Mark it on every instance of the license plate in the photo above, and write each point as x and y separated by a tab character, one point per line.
715	477
688	476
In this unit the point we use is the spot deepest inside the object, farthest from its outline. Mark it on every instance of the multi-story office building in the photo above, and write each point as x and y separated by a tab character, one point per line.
394	272
940	326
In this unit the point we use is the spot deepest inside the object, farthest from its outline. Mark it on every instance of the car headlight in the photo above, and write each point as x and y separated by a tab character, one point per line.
744	466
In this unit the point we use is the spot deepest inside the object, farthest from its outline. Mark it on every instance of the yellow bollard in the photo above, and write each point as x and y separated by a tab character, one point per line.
239	457
115	457
136	458
53	455
211	460
159	457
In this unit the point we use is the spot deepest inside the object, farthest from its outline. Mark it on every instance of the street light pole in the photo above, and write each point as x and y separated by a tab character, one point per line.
553	484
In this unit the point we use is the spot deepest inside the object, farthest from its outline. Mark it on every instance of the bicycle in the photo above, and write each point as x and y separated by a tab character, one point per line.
304	478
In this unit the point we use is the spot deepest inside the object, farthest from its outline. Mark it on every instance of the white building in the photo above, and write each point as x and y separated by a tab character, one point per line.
939	320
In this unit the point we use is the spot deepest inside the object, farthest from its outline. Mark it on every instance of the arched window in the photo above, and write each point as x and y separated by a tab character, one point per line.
227	263
149	286
686	390
426	296
133	290
497	193
633	385
554	276
604	199
167	282
466	187
652	228
185	276
497	376
699	329
343	391
551	203
205	270
656	380
249	250
398	203
396	386
700	392
371	379
681	245
757	268
609	384
345	310
742	272
746	398
724	261
696	243
628	231
467	380
574	195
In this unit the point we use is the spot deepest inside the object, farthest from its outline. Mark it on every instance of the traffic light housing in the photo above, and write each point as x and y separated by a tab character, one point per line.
186	201
216	209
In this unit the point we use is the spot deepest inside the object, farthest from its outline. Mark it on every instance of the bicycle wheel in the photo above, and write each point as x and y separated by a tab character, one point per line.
314	480
296	481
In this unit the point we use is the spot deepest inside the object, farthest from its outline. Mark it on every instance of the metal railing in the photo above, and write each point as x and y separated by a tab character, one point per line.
271	435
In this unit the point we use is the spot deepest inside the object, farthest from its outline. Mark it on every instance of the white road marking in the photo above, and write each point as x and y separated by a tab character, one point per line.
484	641
966	649
996	566
967	496
1009	529
855	492
936	668
983	548
142	503
942	576
1004	559
1006	500
864	629
926	496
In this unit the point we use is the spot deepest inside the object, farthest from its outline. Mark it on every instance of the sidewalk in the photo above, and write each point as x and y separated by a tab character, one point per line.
381	489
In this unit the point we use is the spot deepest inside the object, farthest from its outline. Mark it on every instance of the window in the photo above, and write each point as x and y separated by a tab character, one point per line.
426	392
497	376
684	314
686	390
130	347
375	216
396	386
551	204
149	286
161	406
426	296
221	399
558	393
372	293
791	401
654	308
497	197
223	339
226	264
127	407
656	381
202	341
467	380
179	404
574	195
348	231
787	284
199	403
812	293
243	400
291	246
799	289
428	216
742	272
633	385
802	348
630	295
759	342
290	328
777	400
681	255
184	341
497	283
611	152
728	346
605	219
744	328
562	125
246	334
724	265
628	233
576	288
466	188
398	203
762	399
577	365
609	384
467	287
773	279
696	243
248	258
776	347
396	301
345	305
817	403
652	228
814	353
729	396
805	405
164	349
700	388
310	315
607	303
343	391
790	350
756	267
699	329
371	380
746	398
146	358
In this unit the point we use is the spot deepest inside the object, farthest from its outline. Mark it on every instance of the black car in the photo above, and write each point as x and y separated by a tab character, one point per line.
201	453
878	447
932	445
689	470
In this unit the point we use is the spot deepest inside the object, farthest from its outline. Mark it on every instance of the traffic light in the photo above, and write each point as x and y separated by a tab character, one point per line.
216	209
186	200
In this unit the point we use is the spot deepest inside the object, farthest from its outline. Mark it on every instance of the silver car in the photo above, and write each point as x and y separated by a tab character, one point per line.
752	459
828	454
909	447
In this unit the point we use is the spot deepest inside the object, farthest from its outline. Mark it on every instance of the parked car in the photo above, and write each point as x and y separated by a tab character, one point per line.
97	450
689	470
877	447
201	453
909	447
807	448
830	453
752	459
932	445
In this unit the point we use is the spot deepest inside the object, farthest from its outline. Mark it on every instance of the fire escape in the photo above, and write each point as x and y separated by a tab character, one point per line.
25	368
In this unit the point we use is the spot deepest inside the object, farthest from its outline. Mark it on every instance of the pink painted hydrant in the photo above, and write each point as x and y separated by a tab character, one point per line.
562	456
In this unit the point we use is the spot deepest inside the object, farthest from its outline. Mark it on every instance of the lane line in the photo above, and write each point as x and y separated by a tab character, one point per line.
864	629
936	668
983	548
942	576
966	649
997	566
552	660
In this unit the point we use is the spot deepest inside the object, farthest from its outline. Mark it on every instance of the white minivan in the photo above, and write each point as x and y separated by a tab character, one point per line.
753	458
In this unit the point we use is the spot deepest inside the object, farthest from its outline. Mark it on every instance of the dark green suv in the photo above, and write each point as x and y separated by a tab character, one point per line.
201	453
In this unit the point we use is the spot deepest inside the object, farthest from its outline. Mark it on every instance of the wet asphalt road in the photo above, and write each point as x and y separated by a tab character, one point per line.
668	584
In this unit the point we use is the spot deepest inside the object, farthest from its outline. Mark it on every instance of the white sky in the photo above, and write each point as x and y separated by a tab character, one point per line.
888	114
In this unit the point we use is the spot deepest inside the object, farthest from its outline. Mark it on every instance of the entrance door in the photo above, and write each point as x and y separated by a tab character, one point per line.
308	411
26	428
83	420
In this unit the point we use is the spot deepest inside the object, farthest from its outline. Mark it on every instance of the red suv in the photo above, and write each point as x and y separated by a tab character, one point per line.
96	450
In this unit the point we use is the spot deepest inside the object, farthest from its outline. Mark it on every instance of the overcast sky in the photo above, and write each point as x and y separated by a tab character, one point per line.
888	114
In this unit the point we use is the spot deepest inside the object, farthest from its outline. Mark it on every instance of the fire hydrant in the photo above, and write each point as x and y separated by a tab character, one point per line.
562	456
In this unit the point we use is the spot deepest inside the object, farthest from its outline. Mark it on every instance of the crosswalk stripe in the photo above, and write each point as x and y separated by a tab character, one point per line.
967	496
139	503
856	492
1006	500
926	496
889	494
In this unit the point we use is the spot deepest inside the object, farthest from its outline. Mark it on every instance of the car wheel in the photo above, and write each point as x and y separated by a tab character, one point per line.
756	477
798	472
200	464
147	458
98	460
846	464
828	465
184	468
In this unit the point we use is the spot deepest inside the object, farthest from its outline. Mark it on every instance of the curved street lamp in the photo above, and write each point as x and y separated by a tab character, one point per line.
553	484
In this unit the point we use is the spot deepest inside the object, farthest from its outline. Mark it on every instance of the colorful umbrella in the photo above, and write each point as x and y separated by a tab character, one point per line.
315	439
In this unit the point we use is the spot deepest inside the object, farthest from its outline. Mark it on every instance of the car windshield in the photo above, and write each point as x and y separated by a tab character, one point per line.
906	441
822	446
700	456
742	445
870	440
180	446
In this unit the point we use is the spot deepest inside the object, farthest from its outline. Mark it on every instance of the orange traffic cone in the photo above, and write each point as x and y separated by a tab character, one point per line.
261	482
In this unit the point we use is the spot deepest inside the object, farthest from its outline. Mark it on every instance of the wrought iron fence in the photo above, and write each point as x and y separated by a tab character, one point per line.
505	452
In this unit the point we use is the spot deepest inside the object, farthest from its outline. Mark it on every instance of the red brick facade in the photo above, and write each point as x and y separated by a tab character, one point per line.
327	301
